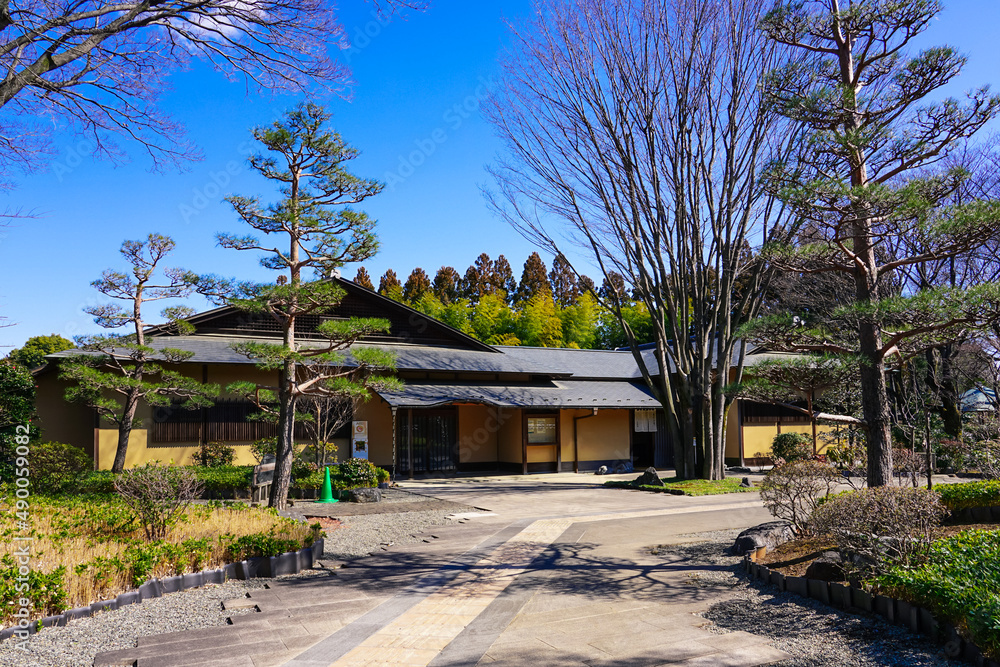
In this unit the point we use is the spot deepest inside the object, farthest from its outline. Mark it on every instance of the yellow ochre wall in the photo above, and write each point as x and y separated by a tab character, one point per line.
509	436
61	421
478	429
378	414
757	438
602	437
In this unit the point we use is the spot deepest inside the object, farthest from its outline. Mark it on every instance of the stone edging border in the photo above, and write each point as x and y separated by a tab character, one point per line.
898	612
291	562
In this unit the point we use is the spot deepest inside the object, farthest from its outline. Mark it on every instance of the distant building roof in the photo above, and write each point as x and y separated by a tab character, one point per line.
979	399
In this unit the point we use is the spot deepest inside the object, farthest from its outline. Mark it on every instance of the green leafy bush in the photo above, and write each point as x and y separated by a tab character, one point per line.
259	544
970	494
357	473
215	455
98	482
960	580
382	475
791	447
885	526
57	467
225	479
46	591
264	447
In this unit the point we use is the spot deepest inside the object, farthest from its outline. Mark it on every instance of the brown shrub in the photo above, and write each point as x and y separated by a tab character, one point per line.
793	490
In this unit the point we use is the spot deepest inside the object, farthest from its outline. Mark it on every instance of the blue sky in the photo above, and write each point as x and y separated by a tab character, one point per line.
413	114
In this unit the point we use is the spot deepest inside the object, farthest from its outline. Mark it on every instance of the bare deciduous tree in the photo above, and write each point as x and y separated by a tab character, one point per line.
102	65
636	131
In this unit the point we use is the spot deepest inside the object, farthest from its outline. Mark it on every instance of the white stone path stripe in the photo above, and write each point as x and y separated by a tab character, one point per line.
415	637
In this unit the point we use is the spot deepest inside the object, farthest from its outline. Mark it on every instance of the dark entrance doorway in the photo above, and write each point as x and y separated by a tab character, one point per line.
428	441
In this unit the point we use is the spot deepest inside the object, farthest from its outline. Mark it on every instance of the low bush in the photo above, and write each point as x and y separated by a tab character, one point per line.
263	448
56	467
851	456
960	580
792	491
791	447
225	480
357	473
45	591
885	526
157	495
99	482
970	494
260	544
985	457
215	455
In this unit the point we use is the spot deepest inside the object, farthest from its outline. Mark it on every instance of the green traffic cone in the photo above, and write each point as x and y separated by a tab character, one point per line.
326	495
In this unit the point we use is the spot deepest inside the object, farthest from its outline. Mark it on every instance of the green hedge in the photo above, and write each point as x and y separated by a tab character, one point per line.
970	494
961	581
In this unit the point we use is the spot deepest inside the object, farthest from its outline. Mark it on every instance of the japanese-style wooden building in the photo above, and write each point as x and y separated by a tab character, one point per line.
465	406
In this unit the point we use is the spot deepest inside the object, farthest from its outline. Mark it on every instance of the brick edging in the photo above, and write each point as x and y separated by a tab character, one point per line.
898	612
291	562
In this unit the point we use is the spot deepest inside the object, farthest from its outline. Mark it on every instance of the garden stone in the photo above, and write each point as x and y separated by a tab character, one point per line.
740	470
649	478
367	495
622	468
746	483
771	535
603	470
828	567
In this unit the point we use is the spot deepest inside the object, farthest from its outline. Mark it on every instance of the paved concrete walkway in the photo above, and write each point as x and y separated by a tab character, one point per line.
559	574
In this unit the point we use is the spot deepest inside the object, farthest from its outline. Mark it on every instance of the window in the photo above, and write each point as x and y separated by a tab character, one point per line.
645	421
541	430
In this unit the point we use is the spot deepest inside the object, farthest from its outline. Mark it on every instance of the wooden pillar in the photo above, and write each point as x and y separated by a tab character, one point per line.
409	438
524	443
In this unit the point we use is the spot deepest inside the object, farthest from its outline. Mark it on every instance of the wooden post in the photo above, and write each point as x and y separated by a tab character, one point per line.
524	443
409	438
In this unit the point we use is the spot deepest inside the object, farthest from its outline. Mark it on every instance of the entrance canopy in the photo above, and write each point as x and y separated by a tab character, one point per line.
566	394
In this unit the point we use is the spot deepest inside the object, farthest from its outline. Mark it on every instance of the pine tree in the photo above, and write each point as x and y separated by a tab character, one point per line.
865	181
389	285
416	286
562	278
534	279
306	161
503	278
363	279
613	287
120	369
478	280
446	285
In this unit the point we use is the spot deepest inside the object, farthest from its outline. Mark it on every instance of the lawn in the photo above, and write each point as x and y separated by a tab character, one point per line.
88	548
687	487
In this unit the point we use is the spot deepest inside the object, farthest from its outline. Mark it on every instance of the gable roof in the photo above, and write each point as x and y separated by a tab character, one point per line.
406	325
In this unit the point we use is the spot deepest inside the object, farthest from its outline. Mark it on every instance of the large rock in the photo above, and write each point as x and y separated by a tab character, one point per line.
624	467
366	495
603	470
828	567
649	478
770	535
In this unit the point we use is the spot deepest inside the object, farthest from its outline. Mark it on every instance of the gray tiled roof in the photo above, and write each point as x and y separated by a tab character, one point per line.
561	393
597	364
218	350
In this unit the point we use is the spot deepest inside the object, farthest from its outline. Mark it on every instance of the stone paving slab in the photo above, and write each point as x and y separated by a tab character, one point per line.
576	587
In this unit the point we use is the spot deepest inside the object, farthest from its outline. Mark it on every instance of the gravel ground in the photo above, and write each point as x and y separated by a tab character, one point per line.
359	536
78	643
814	634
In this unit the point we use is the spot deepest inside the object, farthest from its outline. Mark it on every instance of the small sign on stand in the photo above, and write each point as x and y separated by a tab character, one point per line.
359	440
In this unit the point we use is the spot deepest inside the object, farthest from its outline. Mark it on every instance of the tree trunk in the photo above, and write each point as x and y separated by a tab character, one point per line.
285	453
125	429
875	405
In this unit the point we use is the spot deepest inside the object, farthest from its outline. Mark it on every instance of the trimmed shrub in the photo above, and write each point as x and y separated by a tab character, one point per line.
57	467
225	479
264	447
969	494
885	526
157	495
960	580
357	473
215	455
791	447
792	491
